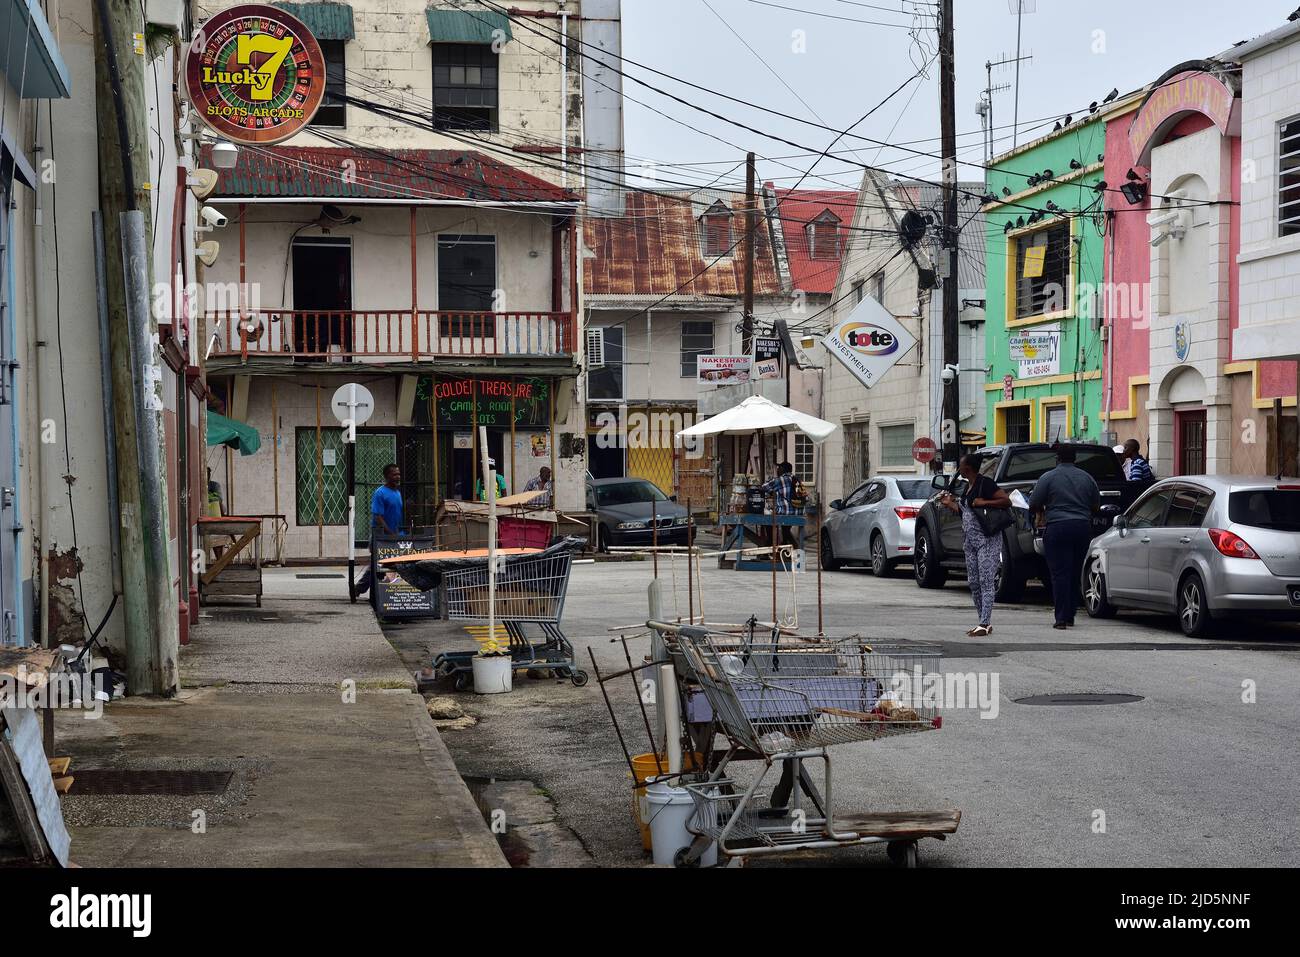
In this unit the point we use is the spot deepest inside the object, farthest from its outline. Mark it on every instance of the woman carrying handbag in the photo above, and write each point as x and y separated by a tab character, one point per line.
985	511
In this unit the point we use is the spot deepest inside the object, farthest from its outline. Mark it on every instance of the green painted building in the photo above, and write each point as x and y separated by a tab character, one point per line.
1044	274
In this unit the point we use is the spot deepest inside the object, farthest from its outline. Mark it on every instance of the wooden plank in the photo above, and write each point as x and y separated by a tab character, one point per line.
32	662
59	766
251	589
900	825
15	793
63	785
240	573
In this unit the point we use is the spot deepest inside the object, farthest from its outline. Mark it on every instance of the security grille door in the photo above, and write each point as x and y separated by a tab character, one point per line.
9	531
1189	428
857	455
373	452
321	481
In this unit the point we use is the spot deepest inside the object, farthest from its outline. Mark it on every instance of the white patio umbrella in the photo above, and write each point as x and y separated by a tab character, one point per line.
759	414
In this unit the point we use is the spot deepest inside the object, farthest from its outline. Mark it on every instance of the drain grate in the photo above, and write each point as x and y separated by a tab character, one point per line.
1080	698
136	781
320	575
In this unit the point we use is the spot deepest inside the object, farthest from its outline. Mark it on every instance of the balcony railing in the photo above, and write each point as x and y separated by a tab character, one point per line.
394	335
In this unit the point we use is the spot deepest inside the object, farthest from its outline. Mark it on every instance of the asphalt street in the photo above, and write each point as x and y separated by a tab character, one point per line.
1202	771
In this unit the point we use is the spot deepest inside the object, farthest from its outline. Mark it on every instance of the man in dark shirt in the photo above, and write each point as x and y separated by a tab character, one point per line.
1067	497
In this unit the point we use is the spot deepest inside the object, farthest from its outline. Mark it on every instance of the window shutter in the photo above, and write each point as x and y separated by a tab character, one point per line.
595	349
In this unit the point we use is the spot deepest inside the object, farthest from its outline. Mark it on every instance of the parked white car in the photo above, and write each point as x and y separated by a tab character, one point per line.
875	524
1204	547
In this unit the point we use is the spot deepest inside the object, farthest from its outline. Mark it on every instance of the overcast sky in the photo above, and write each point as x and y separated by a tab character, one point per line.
1080	52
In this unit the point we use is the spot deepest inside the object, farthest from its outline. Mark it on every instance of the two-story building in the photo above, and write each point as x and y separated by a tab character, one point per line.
879	426
421	238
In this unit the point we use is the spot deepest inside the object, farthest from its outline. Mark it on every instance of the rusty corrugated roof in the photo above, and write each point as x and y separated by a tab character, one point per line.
323	173
655	248
796	209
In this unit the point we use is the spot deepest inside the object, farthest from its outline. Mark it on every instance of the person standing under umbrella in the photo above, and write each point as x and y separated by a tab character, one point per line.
983	551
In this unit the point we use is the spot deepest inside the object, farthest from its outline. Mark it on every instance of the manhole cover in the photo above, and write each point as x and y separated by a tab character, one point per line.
135	781
1080	699
320	575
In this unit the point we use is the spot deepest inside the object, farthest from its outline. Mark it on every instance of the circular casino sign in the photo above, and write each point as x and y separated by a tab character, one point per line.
255	74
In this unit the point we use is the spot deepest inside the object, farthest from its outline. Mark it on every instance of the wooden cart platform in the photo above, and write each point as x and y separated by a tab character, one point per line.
226	575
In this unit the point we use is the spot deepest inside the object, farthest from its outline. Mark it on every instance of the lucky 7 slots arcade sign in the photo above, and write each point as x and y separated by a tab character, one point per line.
255	74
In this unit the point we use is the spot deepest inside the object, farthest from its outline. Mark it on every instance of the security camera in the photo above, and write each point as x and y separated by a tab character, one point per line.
949	374
213	217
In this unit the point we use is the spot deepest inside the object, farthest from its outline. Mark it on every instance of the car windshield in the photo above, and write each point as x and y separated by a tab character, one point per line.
627	493
1278	509
914	488
1032	464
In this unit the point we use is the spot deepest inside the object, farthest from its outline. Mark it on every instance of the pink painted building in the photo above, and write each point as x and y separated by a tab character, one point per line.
1171	297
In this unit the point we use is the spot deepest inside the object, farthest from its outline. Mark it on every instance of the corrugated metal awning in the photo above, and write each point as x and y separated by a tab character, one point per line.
326	21
466	26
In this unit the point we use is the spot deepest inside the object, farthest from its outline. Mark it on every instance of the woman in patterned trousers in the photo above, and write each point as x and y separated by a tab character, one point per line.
983	552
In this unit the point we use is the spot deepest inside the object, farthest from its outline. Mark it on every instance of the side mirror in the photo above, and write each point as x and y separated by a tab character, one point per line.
1120	522
837	504
940	482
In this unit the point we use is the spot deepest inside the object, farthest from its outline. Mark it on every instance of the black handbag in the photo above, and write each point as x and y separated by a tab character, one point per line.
993	520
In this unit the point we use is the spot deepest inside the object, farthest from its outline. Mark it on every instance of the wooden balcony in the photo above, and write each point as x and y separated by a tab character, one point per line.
390	335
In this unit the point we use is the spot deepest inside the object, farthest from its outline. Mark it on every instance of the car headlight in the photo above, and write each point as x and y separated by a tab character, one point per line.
630	526
681	520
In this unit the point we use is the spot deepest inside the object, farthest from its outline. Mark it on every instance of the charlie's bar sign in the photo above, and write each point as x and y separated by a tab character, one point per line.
255	74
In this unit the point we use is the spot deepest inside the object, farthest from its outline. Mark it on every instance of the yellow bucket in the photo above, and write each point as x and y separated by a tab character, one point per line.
646	767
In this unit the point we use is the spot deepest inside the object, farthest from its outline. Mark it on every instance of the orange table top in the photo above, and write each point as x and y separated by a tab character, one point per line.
449	555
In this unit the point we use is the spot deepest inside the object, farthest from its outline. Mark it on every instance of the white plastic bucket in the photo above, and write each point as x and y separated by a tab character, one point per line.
493	675
670	809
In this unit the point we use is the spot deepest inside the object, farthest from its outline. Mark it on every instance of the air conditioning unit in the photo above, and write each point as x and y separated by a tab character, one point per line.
595	349
165	13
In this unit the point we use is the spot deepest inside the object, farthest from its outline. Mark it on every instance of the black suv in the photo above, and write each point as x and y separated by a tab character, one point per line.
1014	467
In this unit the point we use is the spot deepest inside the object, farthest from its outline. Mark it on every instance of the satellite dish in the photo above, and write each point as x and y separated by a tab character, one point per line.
911	230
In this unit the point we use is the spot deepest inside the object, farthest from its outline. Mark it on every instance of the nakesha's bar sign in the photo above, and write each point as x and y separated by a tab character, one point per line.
255	74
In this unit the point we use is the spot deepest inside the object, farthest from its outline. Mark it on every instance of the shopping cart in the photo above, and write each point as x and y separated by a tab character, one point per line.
789	702
529	591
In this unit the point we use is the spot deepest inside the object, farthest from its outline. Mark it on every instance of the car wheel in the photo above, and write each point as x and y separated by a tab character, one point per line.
602	539
828	559
881	566
1095	601
1193	610
925	566
1008	581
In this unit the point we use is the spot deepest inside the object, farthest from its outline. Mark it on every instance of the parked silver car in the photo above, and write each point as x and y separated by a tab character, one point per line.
876	524
1205	547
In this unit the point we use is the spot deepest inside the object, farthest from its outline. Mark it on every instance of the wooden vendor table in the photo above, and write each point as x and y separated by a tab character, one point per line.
735	528
226	576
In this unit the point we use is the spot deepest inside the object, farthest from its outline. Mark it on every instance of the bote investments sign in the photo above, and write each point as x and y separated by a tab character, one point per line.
869	341
255	74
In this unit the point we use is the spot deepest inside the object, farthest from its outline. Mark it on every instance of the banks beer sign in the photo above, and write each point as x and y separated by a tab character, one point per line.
869	341
255	74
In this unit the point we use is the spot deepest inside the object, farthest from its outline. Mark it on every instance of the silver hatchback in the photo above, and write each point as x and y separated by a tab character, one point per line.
875	523
1205	547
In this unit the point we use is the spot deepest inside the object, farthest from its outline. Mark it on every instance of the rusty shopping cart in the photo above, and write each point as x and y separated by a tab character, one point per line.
787	703
529	594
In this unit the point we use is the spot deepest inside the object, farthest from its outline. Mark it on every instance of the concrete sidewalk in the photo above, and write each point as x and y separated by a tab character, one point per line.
321	776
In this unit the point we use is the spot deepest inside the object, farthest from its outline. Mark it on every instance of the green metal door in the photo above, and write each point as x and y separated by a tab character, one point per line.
374	451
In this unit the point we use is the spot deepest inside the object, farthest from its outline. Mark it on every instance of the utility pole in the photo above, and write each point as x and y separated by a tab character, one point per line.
150	602
751	212
951	432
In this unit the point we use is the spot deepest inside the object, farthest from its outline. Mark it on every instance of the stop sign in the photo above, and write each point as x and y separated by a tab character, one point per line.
923	450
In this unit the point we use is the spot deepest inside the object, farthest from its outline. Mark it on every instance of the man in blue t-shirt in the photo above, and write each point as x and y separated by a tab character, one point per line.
385	513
